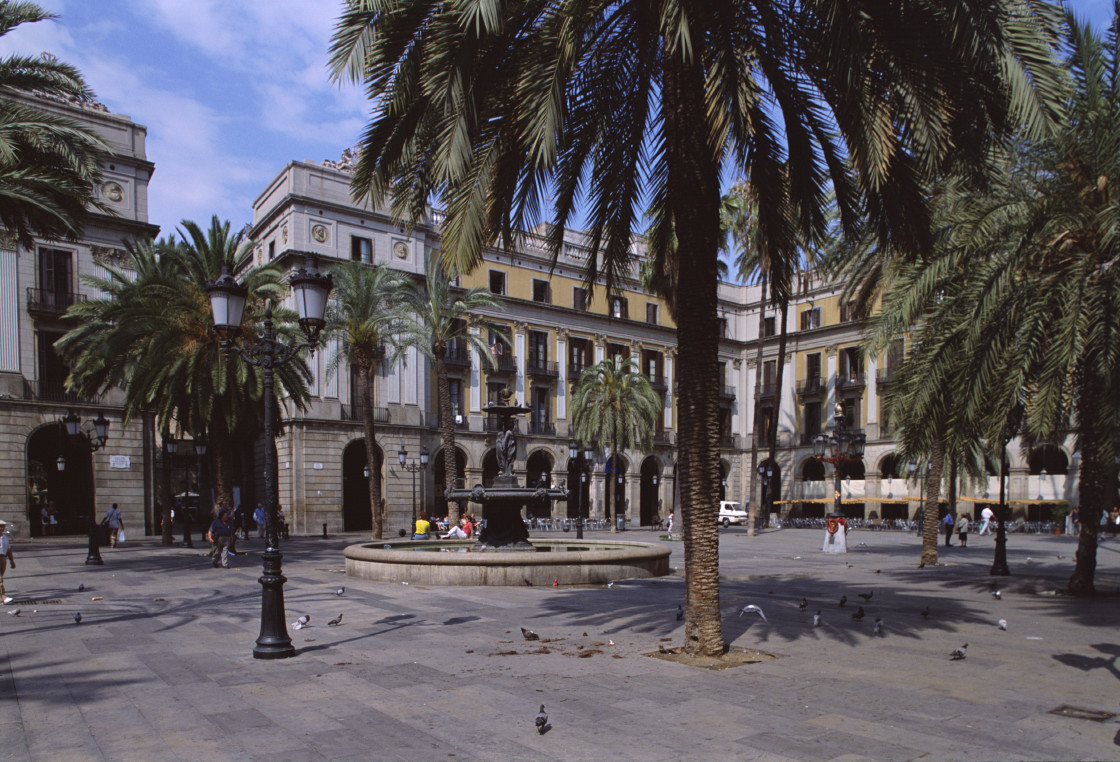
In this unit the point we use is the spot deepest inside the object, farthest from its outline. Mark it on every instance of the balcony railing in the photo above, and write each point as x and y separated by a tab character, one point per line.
662	437
355	413
806	437
851	380
658	381
457	357
492	423
55	391
727	441
814	385
766	390
542	428
51	302
435	421
504	363
575	370
539	367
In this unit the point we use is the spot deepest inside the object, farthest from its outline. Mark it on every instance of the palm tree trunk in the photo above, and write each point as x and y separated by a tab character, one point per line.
166	494
1095	481
783	337
376	509
693	200
930	521
446	433
611	477
752	509
224	457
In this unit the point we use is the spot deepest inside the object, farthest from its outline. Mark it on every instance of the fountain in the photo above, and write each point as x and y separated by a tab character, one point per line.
503	553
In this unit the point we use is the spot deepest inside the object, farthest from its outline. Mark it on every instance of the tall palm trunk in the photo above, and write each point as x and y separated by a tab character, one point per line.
694	204
930	516
783	337
166	495
224	457
1095	483
611	478
752	509
376	508
446	431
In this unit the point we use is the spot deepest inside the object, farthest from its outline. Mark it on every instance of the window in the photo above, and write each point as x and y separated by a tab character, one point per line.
852	417
579	357
542	291
52	370
651	313
620	308
538	349
361	249
769	377
768	327
617	351
813	368
848	312
811	319
541	408
56	277
884	418
724	331
762	425
579	299
271	250
851	364
497	282
812	423
895	353
652	365
500	349
455	387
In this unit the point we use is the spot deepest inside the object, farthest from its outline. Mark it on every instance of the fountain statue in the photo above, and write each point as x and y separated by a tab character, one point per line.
502	502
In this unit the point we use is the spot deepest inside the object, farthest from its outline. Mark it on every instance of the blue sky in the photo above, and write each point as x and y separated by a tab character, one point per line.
230	90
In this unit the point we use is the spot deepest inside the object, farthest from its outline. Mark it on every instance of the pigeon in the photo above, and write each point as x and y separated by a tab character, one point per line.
340	591
529	634
680	612
81	588
859	614
958	653
610	584
541	721
335	622
866	596
862	545
750	608
803	605
878	629
1030	560
878	571
297	625
14	612
1002	624
1060	556
843	600
817	619
997	594
610	642
304	619
925	613
78	617
847	564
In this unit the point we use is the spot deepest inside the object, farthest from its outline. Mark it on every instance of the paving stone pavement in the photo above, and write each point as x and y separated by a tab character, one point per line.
161	666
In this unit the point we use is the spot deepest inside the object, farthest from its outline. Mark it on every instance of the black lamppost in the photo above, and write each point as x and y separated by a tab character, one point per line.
413	468
227	301
765	473
999	562
846	446
94	439
584	462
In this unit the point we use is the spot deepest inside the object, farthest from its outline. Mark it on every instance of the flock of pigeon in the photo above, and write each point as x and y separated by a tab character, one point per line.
305	620
859	615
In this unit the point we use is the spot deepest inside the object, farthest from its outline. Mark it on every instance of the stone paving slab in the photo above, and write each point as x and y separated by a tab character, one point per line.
161	666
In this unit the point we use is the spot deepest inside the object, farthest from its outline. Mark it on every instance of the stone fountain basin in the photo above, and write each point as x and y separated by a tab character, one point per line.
455	562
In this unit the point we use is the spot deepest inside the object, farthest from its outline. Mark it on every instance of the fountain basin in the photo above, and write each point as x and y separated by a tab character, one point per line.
455	562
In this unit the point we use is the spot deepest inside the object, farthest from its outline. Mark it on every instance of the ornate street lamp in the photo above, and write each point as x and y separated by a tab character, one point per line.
413	468
585	461
310	291
846	446
765	474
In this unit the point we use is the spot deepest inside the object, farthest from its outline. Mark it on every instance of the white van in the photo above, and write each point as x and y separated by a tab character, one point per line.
731	512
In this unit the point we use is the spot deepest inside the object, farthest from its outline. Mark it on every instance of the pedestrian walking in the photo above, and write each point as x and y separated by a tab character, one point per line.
221	531
260	519
670	526
6	558
116	524
986	517
962	530
947	522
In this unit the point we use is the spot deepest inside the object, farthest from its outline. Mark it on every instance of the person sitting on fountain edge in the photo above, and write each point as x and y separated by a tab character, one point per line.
461	532
422	527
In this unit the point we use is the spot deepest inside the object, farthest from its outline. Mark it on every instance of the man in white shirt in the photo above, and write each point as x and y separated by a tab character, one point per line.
986	515
6	558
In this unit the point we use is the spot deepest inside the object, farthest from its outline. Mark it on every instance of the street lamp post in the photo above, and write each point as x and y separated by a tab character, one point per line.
94	439
765	473
999	562
585	462
847	447
227	301
413	467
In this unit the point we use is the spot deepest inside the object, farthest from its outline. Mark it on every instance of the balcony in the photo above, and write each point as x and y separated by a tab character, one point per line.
48	302
575	370
462	422
662	437
457	357
542	428
806	438
504	363
728	441
766	390
885	375
851	381
814	385
659	382
55	391
542	368
355	413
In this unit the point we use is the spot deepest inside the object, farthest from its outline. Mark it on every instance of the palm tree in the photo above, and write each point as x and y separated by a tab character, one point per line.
601	105
366	315
48	163
441	317
615	405
153	337
1029	276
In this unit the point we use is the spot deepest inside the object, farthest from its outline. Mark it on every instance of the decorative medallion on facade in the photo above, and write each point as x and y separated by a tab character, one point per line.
284	234
108	255
113	191
400	248
8	240
320	233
